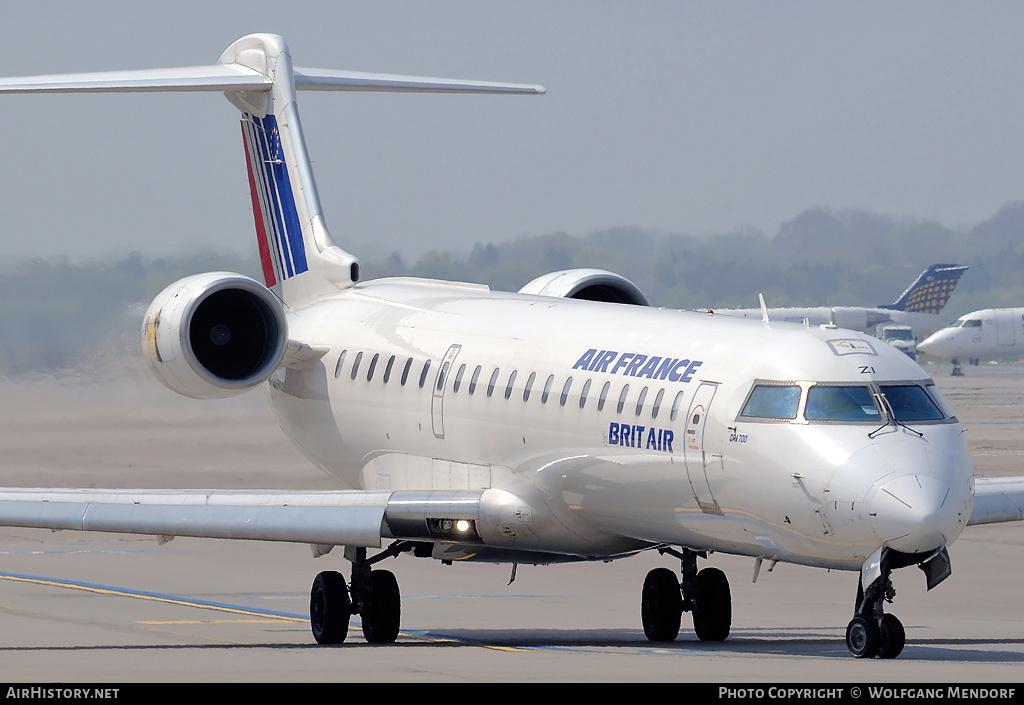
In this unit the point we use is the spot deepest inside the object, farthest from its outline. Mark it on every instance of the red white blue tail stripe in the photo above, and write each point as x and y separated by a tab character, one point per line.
279	232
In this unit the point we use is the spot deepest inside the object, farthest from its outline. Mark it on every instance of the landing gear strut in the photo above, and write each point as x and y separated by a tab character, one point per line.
705	594
871	632
374	595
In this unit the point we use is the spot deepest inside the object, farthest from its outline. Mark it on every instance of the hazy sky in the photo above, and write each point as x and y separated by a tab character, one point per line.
675	116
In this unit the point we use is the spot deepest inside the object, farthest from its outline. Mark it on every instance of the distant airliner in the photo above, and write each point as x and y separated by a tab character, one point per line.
987	334
552	425
918	307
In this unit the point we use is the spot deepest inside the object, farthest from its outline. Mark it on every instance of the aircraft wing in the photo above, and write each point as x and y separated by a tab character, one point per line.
997	499
345	517
339	518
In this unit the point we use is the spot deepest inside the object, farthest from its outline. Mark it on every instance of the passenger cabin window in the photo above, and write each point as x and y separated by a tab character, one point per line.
387	370
604	396
565	392
770	401
473	381
529	386
657	403
458	379
405	371
511	381
442	376
676	405
911	403
372	367
355	364
341	361
584	393
622	398
841	403
640	401
423	374
492	382
547	389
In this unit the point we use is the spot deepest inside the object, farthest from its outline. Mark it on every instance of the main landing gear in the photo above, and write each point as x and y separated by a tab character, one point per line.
705	594
871	632
373	594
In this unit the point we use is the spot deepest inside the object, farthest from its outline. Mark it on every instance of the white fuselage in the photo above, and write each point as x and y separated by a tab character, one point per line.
618	427
990	333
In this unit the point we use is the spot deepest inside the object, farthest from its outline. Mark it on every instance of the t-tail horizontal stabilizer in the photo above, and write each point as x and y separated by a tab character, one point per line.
299	258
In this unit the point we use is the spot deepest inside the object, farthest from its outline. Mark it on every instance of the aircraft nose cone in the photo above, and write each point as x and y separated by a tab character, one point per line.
915	514
929	344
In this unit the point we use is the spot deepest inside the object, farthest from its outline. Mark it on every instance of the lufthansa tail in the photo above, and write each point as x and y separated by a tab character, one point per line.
930	291
299	258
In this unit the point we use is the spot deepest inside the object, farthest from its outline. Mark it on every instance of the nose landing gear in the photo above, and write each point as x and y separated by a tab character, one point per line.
867	637
872	633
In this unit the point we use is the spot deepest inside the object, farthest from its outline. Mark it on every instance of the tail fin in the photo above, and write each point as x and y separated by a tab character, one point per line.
300	260
931	290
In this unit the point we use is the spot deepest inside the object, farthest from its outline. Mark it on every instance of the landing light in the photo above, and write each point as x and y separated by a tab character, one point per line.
452	528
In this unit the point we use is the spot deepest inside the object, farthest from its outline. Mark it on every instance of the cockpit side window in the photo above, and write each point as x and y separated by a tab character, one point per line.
972	323
933	392
911	403
840	403
772	401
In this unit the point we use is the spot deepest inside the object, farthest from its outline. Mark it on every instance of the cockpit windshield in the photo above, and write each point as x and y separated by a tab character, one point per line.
910	402
772	402
966	323
835	403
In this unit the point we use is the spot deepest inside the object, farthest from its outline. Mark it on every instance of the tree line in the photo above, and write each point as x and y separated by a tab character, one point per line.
55	314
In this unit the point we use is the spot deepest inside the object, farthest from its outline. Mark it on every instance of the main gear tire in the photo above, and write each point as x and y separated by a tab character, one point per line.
329	608
661	605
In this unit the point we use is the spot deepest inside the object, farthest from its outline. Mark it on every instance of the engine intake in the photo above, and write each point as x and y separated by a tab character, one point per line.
214	335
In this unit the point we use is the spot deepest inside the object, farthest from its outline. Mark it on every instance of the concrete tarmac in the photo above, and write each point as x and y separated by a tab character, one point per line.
78	607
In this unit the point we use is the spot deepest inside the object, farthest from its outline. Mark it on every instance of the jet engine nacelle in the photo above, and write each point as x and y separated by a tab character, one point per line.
214	335
587	284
